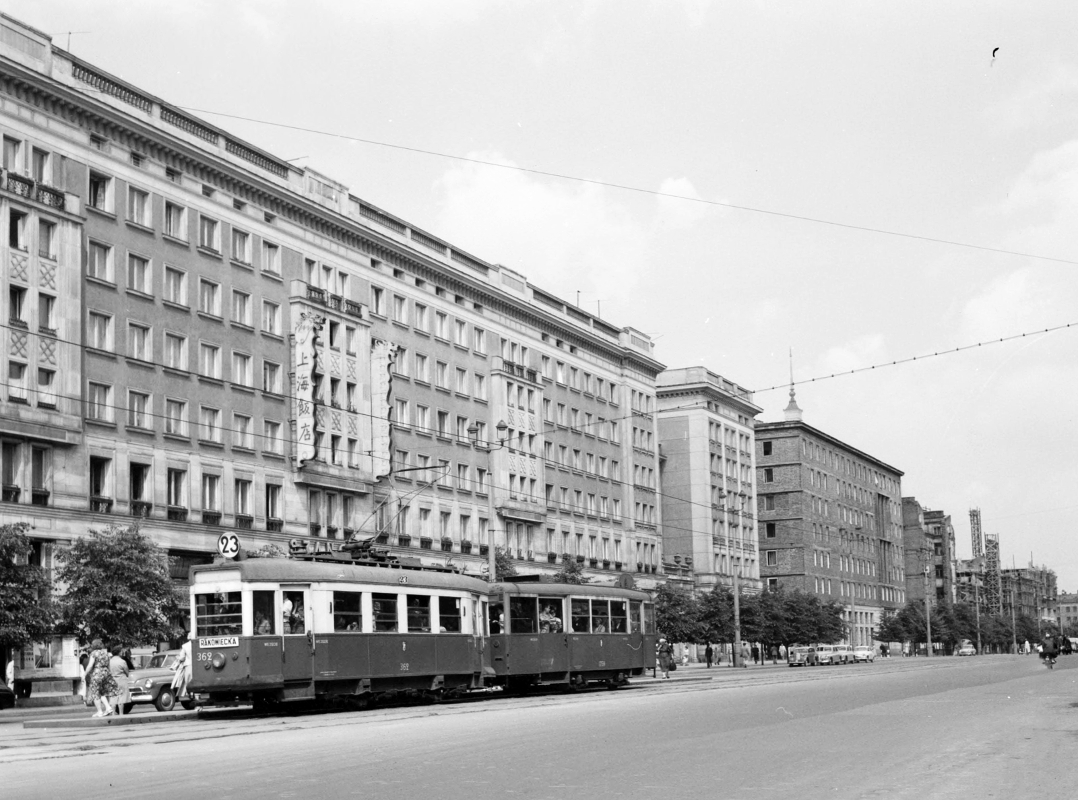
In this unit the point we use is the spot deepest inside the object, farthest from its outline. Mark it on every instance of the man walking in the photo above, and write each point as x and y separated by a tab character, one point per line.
708	654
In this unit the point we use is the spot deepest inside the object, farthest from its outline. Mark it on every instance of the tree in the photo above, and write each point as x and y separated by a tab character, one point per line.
118	588
891	629
571	571
677	614
503	565
27	613
716	615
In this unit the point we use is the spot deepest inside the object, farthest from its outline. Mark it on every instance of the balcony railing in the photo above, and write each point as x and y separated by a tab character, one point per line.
211	517
177	513
141	508
274	525
101	505
39	497
245	522
10	493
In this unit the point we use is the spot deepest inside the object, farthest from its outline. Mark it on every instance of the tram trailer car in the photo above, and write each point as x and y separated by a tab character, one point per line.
545	634
271	630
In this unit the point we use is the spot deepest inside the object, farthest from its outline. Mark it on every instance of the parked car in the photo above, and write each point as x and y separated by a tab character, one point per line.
842	654
153	684
966	648
7	696
864	653
797	657
821	654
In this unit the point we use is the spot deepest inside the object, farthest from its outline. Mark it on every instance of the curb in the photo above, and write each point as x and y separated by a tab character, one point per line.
112	721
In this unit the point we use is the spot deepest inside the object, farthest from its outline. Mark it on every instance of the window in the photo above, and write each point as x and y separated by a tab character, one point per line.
100	479
208	233
175	286
271	377
378	301
98	398
441	323
422	320
176	483
241	307
767	448
769	530
39	167
772	557
769	502
273	501
460	333
271	440
480	386
400	309
422	419
138	410
138	273
769	475
479	340
17	230
100	194
350	340
271	317
241	431
12	154
175	221
440	370
99	330
138	341
176	417
241	368
46	239
462	381
46	392
241	246
271	258
99	262
210	420
175	351
209	297
17	306
243	497
422	370
400	411
138	206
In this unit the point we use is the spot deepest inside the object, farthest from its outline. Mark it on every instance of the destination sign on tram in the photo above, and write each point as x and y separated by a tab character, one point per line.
219	641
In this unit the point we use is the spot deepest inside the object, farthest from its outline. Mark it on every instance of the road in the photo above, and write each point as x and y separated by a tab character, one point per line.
994	726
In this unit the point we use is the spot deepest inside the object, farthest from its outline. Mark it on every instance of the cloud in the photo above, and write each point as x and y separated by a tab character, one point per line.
862	351
1038	102
677	214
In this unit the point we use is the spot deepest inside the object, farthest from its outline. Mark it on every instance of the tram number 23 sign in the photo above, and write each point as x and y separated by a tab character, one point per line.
228	545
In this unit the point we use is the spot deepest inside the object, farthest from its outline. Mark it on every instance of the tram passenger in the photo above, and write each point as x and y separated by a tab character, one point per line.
263	627
549	622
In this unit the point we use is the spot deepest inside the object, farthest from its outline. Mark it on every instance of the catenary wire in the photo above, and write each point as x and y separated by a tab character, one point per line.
640	190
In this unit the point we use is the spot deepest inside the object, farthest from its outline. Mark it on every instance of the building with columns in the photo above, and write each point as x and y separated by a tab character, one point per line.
708	478
829	520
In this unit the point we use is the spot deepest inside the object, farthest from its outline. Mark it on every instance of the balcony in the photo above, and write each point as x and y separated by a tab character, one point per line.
245	522
426	543
39	497
101	505
552	558
211	517
177	513
465	546
274	525
11	493
315	528
447	545
141	508
404	540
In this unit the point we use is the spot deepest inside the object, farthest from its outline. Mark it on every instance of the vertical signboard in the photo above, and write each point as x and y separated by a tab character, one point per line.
305	357
383	355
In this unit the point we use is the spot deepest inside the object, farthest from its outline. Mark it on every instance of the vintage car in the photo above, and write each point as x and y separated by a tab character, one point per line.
966	648
153	683
797	657
864	653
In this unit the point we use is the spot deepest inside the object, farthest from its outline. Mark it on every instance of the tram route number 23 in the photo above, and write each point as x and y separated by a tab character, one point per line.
228	545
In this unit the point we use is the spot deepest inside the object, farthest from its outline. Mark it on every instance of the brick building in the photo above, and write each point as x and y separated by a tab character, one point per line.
928	541
830	520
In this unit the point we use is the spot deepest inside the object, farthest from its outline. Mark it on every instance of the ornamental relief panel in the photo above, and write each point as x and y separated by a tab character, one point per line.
18	344
47	274
47	350
19	264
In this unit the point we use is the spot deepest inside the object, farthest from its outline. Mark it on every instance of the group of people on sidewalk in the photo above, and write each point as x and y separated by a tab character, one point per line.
666	660
105	676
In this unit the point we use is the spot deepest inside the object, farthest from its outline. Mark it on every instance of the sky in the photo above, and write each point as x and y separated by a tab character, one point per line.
892	118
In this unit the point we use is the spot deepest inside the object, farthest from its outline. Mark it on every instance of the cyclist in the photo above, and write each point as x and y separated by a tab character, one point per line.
1049	650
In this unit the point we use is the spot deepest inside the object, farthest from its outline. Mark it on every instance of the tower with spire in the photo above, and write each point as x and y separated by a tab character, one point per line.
793	411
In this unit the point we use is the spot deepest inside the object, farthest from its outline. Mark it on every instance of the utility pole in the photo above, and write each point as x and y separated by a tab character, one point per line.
977	610
928	618
1014	626
735	568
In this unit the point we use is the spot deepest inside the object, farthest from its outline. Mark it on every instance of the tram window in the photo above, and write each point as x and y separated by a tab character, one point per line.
262	602
346	611
581	616
497	618
618	619
385	612
218	614
449	614
418	613
522	614
634	617
550	615
600	616
292	612
649	618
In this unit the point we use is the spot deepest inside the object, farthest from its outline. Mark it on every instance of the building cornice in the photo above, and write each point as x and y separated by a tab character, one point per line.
797	426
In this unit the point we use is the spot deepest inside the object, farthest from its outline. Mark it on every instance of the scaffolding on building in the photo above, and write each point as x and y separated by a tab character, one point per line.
993	581
975	532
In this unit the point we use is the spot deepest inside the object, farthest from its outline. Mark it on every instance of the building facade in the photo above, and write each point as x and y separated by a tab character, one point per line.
830	521
202	337
707	444
929	547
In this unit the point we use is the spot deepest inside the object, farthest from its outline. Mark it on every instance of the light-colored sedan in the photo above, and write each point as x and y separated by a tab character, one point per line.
967	649
864	653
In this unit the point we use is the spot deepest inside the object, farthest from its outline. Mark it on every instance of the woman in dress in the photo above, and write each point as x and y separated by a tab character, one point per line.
665	652
99	683
120	675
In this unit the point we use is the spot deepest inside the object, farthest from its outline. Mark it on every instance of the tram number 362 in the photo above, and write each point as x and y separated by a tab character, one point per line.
404	666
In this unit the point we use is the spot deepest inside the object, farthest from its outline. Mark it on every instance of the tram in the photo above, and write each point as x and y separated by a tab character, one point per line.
271	630
572	635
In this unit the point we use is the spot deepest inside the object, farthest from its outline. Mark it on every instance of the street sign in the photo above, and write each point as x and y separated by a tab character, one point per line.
228	545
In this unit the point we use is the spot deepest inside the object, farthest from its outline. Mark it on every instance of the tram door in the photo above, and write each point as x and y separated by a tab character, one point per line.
297	655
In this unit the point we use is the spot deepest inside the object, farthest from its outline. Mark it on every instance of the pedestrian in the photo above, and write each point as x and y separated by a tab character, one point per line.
883	651
745	654
709	653
665	652
782	652
120	675
755	654
9	673
774	654
99	683
183	669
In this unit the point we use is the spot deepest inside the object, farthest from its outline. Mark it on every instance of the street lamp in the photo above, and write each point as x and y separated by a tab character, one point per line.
928	618
473	434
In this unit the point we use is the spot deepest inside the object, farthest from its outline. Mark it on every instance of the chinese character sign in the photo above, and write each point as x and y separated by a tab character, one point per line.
305	358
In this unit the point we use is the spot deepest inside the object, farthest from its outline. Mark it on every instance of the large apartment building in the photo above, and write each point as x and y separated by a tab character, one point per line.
708	477
929	549
830	521
204	337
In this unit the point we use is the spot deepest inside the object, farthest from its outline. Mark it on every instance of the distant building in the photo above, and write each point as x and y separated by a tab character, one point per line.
928	542
1032	591
1067	610
830	520
705	425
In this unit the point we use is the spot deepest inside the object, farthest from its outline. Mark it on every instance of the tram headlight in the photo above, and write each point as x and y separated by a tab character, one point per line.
219	661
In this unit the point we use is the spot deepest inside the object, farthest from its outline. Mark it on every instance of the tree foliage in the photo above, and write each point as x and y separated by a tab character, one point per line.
27	612
677	614
118	588
503	565
269	550
571	571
